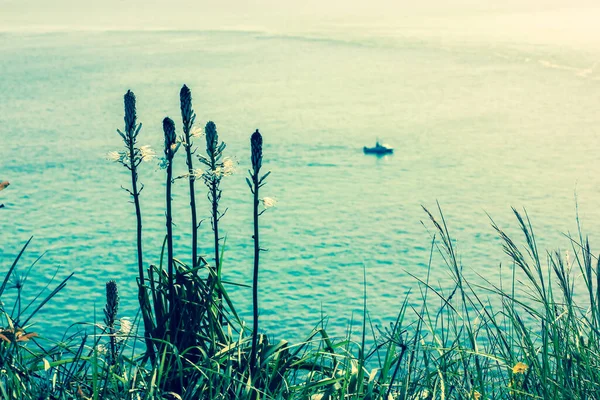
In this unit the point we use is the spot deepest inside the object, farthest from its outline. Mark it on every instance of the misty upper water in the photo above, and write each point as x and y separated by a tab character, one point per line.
478	125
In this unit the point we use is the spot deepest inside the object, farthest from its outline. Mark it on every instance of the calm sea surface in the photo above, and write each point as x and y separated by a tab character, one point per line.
477	125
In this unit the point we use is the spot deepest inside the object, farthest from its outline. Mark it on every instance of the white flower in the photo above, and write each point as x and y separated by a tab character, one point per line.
212	174
196	132
228	166
146	153
317	396
197	173
268	202
101	349
126	326
114	156
125	329
225	168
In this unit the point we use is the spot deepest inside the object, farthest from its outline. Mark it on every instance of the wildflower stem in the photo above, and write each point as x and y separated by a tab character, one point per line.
169	229
255	276
169	130
188	116
110	314
215	221
214	151
256	146
132	129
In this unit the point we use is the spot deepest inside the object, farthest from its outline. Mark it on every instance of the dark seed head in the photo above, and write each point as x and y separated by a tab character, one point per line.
212	137
130	113
256	143
112	303
185	97
170	137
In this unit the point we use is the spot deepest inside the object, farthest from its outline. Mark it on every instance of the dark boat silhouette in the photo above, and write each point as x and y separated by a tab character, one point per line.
378	149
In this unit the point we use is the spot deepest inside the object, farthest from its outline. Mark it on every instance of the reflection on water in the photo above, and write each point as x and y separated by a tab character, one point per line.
477	132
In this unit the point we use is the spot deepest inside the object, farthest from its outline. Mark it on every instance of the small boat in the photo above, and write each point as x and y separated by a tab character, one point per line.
378	149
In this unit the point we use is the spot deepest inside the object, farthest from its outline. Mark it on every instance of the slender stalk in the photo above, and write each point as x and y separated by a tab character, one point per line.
256	158
255	277
138	215
215	195
214	151
169	230
188	116
131	131
110	314
170	150
135	157
135	193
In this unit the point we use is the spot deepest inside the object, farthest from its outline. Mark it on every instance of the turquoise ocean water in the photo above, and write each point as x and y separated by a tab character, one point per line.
479	125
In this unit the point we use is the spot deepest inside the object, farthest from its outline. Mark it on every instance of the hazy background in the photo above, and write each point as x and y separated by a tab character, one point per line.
536	20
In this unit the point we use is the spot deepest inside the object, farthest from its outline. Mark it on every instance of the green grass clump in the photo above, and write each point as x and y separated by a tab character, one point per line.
536	337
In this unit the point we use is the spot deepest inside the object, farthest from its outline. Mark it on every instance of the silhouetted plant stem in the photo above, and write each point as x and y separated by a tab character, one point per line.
131	131
255	184
110	314
188	116
215	194
255	280
131	161
170	150
214	152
